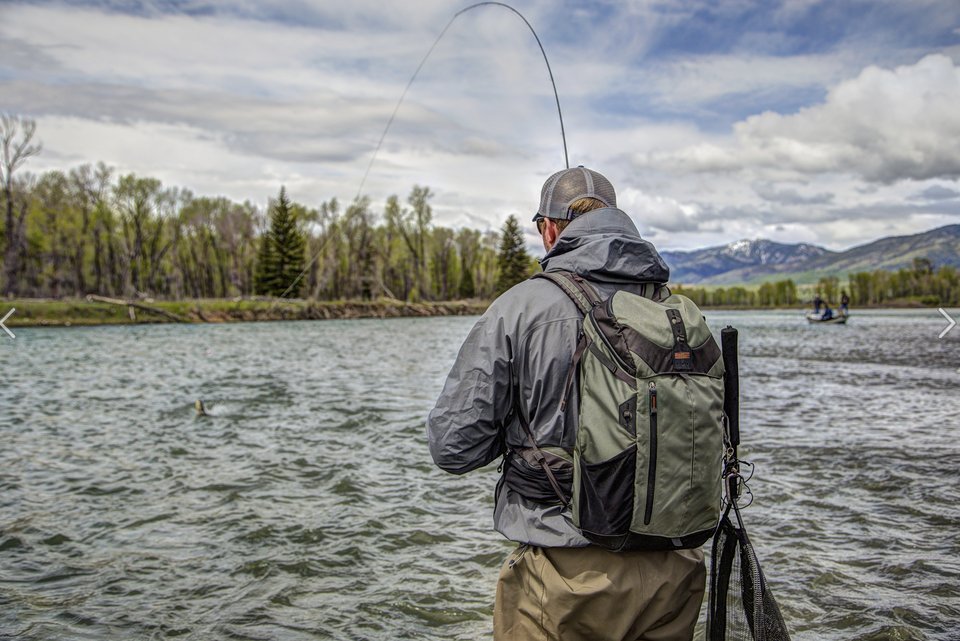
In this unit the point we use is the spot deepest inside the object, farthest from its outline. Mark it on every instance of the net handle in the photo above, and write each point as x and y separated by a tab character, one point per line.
731	383
731	408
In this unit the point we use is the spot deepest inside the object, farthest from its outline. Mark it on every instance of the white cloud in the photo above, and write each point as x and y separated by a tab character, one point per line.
652	212
883	126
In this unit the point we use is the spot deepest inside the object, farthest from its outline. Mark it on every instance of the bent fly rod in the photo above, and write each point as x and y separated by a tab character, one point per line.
403	95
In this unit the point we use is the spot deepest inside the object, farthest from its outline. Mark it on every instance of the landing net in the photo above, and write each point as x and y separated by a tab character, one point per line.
742	607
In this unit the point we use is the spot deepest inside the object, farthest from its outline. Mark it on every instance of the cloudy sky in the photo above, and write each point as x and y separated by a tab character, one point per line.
835	122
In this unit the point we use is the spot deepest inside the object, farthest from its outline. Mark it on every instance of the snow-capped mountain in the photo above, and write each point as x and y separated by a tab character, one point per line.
747	261
702	264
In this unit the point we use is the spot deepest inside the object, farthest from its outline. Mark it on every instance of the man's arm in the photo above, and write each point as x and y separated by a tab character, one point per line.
464	427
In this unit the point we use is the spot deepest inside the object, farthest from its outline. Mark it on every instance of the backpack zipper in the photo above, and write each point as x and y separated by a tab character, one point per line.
652	464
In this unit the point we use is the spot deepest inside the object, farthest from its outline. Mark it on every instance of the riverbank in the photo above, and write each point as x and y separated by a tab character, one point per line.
900	303
69	312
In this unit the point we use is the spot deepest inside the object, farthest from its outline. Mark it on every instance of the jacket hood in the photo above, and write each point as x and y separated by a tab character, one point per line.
605	246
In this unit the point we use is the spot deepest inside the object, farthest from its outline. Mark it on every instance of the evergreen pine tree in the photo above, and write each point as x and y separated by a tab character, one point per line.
280	260
512	260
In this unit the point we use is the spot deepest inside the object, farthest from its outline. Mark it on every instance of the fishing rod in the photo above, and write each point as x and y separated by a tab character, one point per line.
396	108
430	51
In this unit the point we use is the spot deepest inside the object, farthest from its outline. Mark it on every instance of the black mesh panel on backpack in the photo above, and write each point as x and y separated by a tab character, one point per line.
741	607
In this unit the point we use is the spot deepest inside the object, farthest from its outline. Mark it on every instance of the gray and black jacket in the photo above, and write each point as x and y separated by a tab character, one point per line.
473	421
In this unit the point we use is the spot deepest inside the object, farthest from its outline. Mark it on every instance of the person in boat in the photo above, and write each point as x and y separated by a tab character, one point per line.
817	303
827	312
555	584
844	303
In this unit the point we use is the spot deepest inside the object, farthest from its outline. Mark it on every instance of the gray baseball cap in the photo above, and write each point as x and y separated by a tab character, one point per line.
569	185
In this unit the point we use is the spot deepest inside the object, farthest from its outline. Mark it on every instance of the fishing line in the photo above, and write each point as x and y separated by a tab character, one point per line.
403	95
430	51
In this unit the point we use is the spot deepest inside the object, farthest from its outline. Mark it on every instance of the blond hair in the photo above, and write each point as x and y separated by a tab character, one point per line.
577	208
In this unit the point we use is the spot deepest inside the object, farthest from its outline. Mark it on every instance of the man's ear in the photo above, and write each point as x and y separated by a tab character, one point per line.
550	233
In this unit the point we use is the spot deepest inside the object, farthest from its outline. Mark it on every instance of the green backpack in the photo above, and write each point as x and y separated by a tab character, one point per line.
648	458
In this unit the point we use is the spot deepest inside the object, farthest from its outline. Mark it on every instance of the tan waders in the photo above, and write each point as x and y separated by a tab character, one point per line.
591	594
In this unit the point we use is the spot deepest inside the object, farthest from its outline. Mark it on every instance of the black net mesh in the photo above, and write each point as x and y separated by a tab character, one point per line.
564	187
741	607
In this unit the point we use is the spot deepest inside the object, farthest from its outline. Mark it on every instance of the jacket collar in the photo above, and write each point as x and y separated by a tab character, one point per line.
604	245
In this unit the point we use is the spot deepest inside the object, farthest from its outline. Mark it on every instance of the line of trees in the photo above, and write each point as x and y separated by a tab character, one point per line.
779	294
89	231
922	283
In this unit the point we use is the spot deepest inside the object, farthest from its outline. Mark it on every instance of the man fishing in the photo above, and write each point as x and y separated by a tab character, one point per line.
512	375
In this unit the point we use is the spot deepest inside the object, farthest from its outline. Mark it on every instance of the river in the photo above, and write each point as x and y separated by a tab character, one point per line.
306	506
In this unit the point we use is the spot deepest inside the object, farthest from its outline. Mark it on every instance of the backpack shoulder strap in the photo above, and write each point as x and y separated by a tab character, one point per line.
657	292
579	290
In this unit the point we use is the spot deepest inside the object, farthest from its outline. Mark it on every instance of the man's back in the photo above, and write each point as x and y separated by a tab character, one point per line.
517	359
539	326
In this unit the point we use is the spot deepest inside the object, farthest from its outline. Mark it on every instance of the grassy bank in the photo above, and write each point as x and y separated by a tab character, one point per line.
68	312
77	311
899	303
915	302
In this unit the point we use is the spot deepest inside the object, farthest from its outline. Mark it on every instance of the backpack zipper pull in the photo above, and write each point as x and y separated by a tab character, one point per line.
652	451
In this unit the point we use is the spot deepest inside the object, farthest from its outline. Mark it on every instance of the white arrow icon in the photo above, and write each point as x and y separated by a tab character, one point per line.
4	320
952	322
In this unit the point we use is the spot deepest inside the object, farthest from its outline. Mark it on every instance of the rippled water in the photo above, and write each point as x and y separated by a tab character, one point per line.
306	505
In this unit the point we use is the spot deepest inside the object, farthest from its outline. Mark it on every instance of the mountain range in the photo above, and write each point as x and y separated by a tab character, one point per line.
754	261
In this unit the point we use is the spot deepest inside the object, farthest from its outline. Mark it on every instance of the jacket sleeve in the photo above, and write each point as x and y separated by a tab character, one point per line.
464	429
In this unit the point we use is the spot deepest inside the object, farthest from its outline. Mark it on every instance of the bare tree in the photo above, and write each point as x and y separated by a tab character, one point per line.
16	134
88	188
413	226
443	261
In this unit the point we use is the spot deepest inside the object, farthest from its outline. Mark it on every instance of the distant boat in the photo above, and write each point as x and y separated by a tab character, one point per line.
836	319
